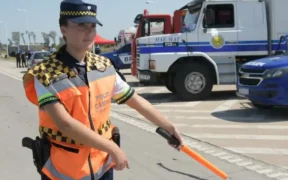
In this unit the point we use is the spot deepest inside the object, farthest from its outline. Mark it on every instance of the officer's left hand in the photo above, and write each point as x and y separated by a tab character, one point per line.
174	131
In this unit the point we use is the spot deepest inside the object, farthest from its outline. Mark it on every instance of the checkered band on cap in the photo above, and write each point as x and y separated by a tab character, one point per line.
72	9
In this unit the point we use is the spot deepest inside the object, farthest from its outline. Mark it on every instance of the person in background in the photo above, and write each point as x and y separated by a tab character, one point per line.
23	59
18	59
97	49
29	53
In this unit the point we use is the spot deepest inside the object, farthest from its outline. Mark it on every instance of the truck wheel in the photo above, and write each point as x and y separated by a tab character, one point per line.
169	85
261	106
194	81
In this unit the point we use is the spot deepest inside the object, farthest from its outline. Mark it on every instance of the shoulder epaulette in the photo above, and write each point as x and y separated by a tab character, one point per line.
100	62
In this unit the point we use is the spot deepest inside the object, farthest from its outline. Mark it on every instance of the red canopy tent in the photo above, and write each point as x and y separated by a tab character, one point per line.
99	40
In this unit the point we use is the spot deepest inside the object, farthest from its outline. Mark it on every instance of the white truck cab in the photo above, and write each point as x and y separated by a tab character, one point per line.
226	33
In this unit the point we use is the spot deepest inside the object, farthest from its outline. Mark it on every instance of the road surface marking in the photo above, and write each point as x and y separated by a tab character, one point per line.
216	126
192	104
14	77
166	110
265	171
238	136
227	155
158	90
139	89
234	118
226	105
268	151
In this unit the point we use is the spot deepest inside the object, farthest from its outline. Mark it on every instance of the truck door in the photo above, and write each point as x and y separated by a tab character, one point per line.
218	32
218	38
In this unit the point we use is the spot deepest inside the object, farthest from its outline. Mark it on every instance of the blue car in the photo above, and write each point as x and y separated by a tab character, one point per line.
264	81
121	58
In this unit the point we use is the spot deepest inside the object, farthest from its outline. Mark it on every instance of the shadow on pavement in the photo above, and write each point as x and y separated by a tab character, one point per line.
23	72
253	115
178	172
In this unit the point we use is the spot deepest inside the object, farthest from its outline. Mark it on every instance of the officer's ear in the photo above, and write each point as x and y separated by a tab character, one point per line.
63	30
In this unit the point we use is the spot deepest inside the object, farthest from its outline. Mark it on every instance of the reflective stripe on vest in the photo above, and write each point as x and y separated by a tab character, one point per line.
62	83
50	167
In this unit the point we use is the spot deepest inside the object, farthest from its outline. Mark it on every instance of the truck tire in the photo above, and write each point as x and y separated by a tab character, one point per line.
261	106
194	81
169	85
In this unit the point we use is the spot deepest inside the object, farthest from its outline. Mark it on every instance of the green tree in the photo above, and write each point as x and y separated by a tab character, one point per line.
16	37
53	35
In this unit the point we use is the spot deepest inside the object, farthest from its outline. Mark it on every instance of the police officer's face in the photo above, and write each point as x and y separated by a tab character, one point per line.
80	36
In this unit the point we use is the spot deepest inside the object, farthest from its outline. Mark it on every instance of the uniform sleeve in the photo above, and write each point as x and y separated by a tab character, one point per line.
122	91
44	96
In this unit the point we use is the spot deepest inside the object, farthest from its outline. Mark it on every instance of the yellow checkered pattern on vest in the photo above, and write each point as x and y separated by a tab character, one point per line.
96	61
105	127
77	13
48	69
56	135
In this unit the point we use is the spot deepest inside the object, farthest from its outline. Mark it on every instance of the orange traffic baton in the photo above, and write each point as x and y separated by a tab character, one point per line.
172	140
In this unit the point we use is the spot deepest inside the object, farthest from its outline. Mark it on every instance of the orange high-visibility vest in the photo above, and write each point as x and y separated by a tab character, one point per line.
89	105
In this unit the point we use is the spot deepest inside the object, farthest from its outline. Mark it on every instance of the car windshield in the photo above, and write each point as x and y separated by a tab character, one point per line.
41	55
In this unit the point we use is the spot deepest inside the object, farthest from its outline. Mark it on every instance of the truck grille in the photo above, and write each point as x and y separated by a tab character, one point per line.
137	57
249	81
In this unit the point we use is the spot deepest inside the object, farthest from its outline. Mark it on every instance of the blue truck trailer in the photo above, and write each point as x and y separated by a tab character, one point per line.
265	81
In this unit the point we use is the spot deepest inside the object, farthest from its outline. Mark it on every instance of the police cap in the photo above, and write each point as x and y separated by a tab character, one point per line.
78	11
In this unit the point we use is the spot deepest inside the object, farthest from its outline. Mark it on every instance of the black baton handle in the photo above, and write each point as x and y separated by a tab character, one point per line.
170	138
27	142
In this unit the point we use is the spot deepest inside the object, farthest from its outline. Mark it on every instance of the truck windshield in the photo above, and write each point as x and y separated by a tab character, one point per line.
191	16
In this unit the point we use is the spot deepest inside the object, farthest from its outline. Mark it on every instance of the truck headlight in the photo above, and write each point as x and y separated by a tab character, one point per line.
274	73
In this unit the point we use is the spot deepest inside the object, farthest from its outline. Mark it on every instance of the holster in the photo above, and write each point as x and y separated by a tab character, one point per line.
40	150
116	135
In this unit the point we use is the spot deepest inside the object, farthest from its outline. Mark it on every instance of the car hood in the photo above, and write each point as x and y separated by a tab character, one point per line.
267	63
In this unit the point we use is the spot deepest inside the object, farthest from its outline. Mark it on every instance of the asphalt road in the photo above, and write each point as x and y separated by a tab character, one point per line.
149	155
223	119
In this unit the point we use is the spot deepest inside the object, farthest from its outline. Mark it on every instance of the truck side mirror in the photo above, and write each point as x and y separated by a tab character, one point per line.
143	29
138	18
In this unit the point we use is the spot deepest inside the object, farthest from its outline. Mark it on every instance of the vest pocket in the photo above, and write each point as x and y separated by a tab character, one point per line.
69	149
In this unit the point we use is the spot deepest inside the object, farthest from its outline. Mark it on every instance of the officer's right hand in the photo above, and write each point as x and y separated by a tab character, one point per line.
120	159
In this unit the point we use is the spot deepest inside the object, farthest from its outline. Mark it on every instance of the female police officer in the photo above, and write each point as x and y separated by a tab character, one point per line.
73	90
